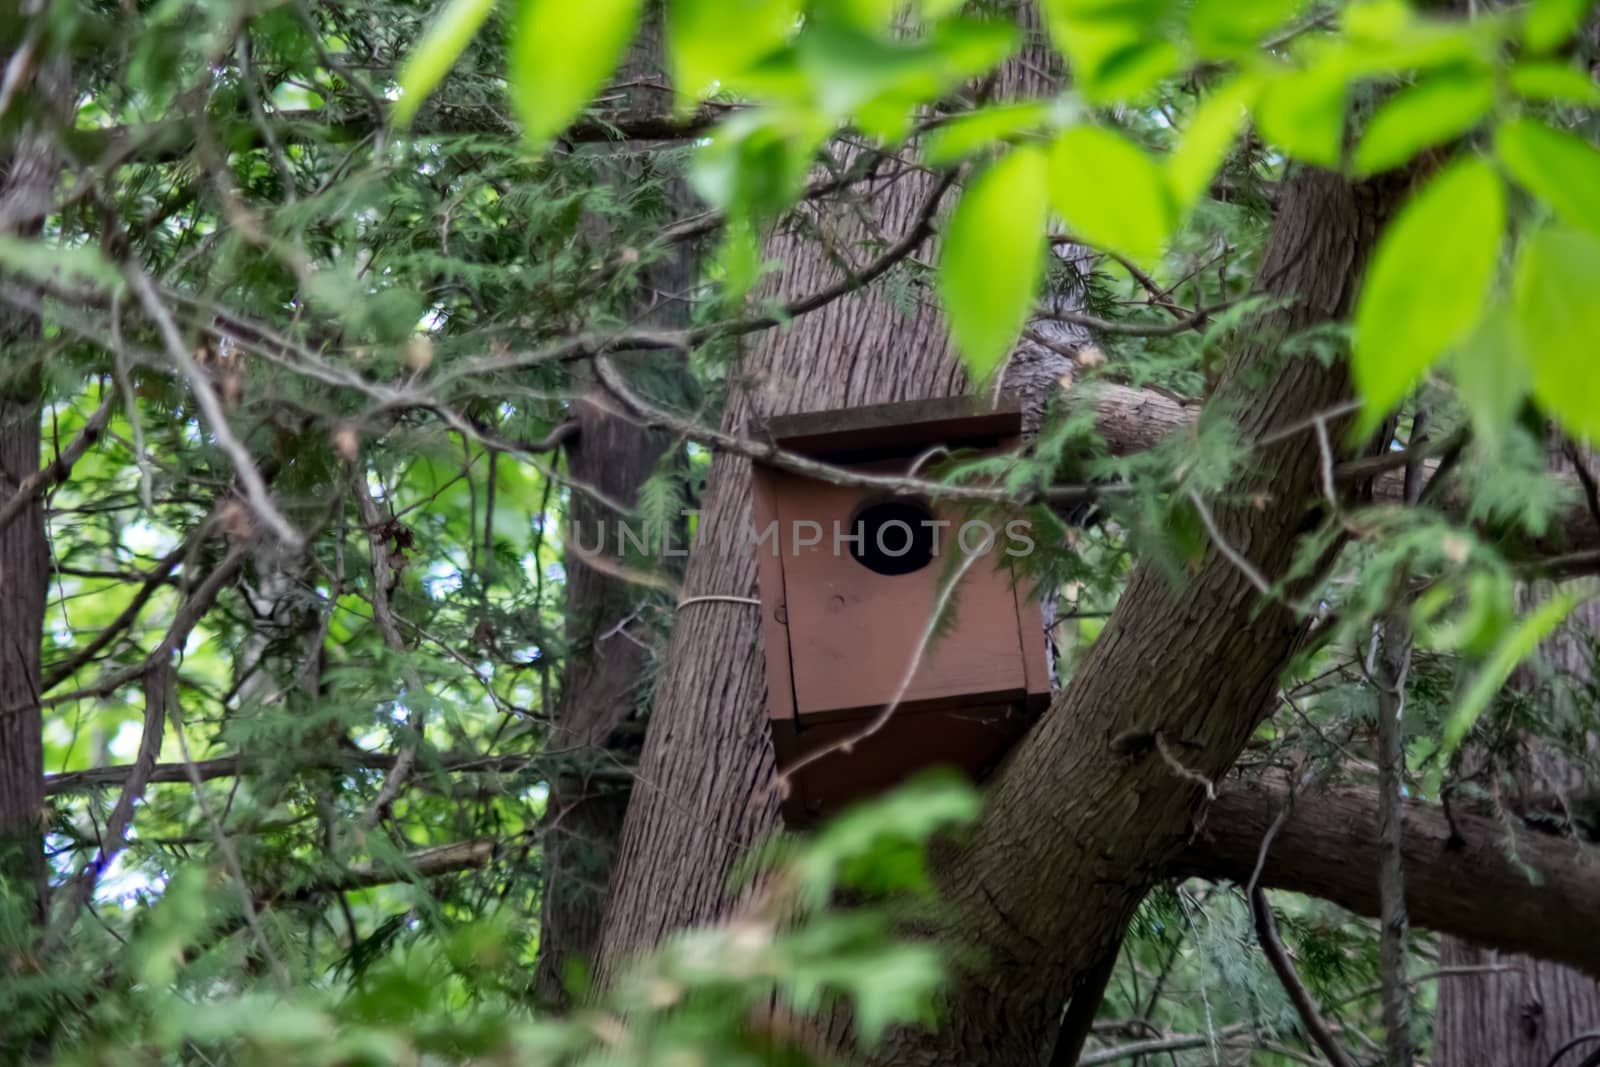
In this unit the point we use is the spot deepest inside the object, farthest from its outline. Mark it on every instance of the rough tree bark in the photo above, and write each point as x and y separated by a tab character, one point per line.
1107	786
1519	1011
24	572
1469	874
585	812
612	454
704	793
27	175
1093	803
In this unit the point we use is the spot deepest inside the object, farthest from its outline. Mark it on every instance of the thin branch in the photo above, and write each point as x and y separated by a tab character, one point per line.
151	582
1272	947
770	454
383	577
1231	554
347	760
1393	660
255	487
188	614
158	690
56	471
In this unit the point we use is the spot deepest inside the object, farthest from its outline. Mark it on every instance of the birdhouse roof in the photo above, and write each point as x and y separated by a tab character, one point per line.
909	424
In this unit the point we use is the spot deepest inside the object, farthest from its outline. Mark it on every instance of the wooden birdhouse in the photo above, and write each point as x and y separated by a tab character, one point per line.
850	578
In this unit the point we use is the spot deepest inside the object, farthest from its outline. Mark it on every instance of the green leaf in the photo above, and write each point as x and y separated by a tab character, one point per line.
1226	28
1110	192
1433	111
849	71
846	850
1302	112
1516	647
562	53
434	55
1428	282
994	257
1550	22
1491	376
867	14
1559	168
1115	47
976	131
1558	317
1207	141
714	41
1559	82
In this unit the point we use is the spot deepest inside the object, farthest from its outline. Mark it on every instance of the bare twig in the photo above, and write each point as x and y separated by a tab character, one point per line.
1231	554
255	487
383	577
1283	967
158	690
57	469
1394	661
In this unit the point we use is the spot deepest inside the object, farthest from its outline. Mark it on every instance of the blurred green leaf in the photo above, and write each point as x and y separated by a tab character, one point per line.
850	70
1491	376
1487	608
562	55
1111	193
867	14
1549	23
52	264
1553	81
713	41
980	130
427	64
1428	281
993	258
1437	109
1116	48
845	850
1558	316
1302	112
1225	28
1559	168
1208	139
1512	650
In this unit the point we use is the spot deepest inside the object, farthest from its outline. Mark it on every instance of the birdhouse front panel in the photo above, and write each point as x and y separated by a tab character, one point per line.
851	579
858	605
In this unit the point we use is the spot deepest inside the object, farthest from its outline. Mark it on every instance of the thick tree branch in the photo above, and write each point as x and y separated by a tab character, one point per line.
1521	891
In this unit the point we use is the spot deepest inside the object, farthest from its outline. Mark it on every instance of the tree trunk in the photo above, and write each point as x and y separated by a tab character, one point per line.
1468	874
27	176
613	455
1094	802
1107	787
704	792
584	820
24	573
1518	1011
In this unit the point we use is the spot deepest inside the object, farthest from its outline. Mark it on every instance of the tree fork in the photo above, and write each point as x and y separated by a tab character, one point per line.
1071	817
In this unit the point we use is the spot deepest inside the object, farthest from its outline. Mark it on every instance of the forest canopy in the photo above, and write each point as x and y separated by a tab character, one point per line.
340	345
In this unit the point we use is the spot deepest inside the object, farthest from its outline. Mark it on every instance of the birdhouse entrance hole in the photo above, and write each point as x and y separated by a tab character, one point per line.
893	536
849	586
